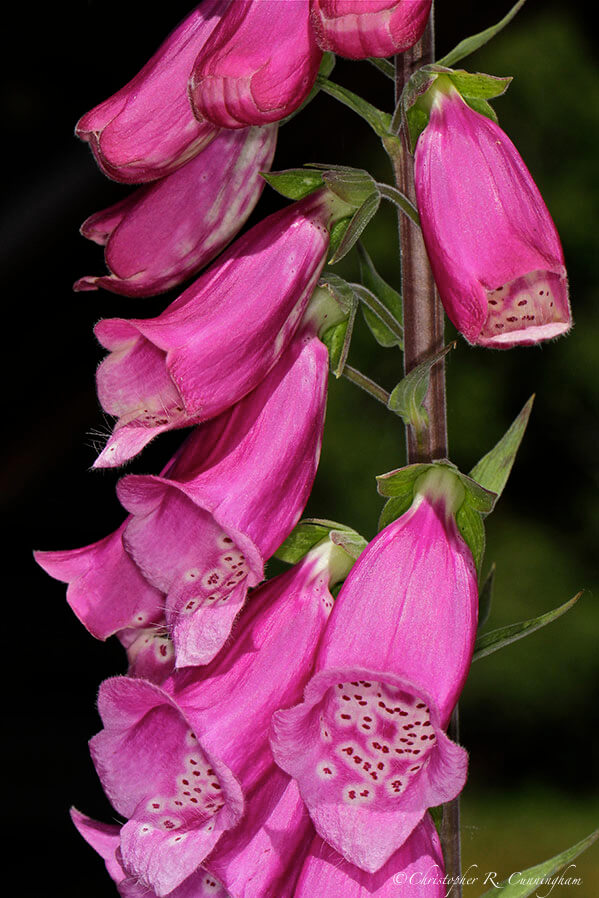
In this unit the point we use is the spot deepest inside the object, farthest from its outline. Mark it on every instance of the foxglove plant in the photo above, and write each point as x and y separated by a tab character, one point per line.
209	727
166	231
285	736
367	745
147	129
258	66
220	338
494	250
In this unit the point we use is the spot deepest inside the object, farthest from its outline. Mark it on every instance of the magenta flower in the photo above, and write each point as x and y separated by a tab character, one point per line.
219	339
257	66
147	129
106	589
162	233
202	531
494	250
177	761
416	870
357	30
367	745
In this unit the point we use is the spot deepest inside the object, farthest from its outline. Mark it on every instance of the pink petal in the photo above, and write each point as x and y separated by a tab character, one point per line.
378	28
165	232
493	247
258	66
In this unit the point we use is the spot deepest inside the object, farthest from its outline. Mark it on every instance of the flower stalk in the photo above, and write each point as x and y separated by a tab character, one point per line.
423	336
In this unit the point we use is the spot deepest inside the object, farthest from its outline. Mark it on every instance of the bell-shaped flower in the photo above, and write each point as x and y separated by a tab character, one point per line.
416	870
367	745
257	66
493	247
147	129
177	761
202	531
220	338
357	30
166	231
106	590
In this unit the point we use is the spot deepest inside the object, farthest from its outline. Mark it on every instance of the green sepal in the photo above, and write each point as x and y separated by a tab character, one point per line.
348	295
337	338
471	526
352	185
476	41
485	597
497	639
530	879
493	469
311	531
337	233
407	398
356	226
294	183
400	485
475	88
389	297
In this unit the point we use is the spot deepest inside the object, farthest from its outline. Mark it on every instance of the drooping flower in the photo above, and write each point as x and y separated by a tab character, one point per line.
106	589
219	339
177	761
367	745
379	28
166	231
202	531
147	129
258	66
416	870
493	247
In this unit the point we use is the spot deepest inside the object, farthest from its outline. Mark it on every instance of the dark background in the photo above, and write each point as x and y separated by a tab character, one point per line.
528	713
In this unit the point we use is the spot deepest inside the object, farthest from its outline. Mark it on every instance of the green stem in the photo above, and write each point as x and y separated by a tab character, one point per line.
399	200
365	383
378	120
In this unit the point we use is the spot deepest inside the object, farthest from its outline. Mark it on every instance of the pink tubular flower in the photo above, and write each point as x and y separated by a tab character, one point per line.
162	233
147	129
177	761
494	250
367	745
416	870
357	30
258	65
106	590
202	531
220	338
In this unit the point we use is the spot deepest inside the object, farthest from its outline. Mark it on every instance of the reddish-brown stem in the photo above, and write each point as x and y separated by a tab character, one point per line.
423	336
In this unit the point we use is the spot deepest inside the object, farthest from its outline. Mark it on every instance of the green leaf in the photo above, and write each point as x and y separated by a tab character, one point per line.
485	597
493	470
528	881
470	44
356	226
306	535
294	183
375	283
497	639
407	398
470	524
